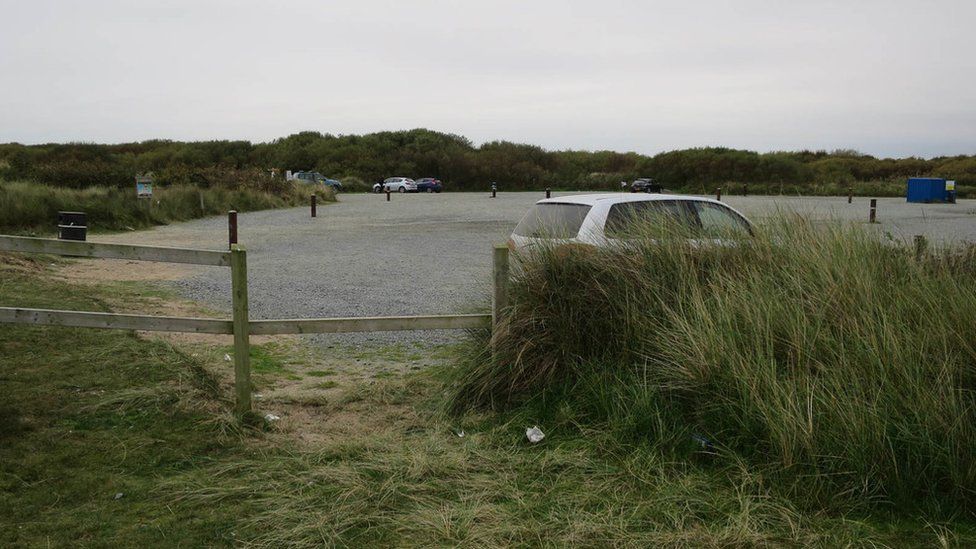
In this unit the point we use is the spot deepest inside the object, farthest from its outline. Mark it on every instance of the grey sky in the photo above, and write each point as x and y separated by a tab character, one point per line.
884	77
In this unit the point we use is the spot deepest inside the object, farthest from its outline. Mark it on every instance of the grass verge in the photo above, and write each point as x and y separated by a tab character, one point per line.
33	207
836	364
91	414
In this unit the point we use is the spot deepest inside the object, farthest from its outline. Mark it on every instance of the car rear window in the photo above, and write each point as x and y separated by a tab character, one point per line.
553	220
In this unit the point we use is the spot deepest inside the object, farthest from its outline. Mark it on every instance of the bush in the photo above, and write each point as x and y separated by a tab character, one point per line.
838	365
353	184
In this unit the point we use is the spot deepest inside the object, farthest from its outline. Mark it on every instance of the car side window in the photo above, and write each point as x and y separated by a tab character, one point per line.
718	221
646	218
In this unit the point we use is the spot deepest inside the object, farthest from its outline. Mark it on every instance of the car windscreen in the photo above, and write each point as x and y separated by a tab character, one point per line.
553	220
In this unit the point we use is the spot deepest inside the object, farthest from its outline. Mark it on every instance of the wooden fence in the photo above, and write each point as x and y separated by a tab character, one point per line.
239	324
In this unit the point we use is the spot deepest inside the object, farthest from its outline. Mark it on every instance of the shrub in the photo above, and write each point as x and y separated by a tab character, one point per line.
353	184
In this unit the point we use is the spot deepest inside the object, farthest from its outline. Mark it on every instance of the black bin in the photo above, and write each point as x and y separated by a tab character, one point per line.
72	226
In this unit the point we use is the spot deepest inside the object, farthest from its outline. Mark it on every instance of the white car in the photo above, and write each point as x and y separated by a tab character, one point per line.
396	184
603	219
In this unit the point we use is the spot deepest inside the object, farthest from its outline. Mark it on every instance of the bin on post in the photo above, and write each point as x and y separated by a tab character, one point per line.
72	226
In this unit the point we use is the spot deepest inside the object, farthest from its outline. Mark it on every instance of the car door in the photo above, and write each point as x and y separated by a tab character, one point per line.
647	219
719	223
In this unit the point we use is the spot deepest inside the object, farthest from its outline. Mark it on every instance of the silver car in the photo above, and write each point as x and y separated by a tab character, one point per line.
396	184
603	219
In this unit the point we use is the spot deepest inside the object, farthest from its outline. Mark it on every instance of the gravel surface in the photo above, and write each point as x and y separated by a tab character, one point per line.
431	253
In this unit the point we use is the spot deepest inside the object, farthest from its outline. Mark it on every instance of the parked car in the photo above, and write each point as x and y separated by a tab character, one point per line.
605	220
334	183
644	185
396	184
429	185
316	177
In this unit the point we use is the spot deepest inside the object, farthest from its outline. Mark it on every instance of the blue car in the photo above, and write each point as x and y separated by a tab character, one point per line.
429	185
316	177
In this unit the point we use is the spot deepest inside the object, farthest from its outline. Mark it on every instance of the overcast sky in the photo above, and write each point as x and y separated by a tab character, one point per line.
890	78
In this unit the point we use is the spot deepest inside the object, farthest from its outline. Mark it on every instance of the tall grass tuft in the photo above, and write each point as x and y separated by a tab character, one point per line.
26	206
841	366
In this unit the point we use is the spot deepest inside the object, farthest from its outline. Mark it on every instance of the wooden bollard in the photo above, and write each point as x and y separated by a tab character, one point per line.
231	228
873	217
388	195
499	298
921	247
745	189
718	194
547	192
242	341
850	194
312	198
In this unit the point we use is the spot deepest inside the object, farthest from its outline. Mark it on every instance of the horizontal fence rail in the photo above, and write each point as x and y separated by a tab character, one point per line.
240	326
368	324
114	251
115	321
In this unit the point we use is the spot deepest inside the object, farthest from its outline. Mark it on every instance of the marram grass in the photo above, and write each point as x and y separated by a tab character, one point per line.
840	365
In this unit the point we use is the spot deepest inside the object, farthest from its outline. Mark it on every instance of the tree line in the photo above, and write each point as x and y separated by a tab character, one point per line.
458	162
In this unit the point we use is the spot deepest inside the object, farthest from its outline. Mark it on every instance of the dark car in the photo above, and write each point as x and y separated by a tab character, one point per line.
645	185
429	185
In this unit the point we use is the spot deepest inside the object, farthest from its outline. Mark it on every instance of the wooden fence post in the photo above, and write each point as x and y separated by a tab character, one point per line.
921	247
873	214
718	194
499	296
231	228
242	351
312	199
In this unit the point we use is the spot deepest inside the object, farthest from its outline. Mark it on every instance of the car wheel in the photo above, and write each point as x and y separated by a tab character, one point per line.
402	189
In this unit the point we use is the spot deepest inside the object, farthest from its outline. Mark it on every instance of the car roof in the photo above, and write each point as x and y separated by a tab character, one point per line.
616	198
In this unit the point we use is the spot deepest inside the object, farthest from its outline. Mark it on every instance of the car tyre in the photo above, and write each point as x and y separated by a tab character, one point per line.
402	189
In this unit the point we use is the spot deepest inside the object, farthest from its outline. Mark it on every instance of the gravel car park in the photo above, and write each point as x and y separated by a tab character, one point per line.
362	256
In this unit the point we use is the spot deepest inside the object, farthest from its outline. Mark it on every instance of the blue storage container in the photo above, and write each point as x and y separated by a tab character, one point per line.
926	189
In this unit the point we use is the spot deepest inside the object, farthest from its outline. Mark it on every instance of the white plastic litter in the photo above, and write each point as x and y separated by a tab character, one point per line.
271	417
459	433
227	357
119	495
534	434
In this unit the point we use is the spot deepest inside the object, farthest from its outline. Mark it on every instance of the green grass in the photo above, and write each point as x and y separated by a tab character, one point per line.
89	414
838	367
33	207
